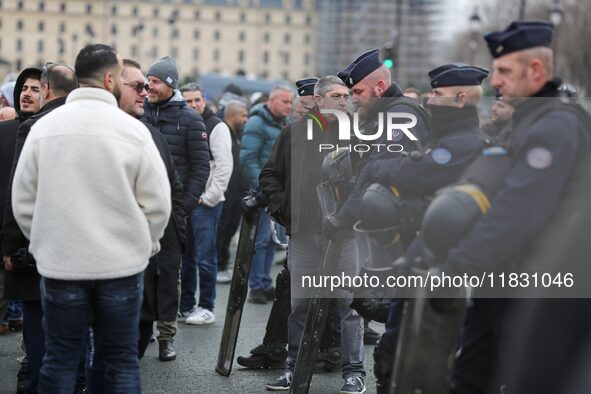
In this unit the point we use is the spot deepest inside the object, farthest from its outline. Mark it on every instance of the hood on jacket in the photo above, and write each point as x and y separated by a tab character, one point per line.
176	99
18	86
263	111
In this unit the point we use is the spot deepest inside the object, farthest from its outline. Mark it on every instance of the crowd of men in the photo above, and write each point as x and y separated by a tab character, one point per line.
121	193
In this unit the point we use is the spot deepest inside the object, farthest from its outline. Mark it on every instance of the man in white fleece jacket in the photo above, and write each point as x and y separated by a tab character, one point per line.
204	220
91	193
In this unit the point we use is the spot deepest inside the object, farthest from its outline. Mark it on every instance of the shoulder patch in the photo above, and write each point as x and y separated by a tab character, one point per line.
539	158
441	156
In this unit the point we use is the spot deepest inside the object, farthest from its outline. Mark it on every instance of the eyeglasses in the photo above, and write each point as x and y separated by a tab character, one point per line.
138	87
46	70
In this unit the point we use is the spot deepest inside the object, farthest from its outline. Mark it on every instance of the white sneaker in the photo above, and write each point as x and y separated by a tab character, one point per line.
201	316
224	276
182	316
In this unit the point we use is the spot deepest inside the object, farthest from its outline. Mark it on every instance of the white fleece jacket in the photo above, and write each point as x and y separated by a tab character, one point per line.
90	190
220	144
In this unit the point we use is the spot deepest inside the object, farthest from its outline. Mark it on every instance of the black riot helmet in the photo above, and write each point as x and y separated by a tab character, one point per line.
378	231
450	216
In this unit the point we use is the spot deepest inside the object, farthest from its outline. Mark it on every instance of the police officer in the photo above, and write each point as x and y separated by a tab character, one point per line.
373	92
538	178
454	142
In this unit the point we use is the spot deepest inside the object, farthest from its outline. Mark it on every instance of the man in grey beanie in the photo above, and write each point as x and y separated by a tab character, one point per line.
184	131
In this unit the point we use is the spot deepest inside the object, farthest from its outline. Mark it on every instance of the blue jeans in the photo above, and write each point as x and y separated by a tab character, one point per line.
112	308
201	253
264	251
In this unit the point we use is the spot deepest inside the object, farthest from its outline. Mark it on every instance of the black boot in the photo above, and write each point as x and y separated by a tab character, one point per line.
265	356
166	351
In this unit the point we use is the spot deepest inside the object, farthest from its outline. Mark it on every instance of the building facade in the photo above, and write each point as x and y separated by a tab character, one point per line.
259	38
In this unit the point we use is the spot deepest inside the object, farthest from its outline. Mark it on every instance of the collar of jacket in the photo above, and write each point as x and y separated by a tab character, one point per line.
207	113
447	120
393	91
96	94
263	111
549	90
176	99
50	106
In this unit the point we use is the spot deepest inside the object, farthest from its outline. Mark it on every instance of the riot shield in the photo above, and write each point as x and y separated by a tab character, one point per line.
318	307
429	336
238	292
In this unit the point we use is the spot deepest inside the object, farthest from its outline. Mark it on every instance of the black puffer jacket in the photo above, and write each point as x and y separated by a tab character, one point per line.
184	131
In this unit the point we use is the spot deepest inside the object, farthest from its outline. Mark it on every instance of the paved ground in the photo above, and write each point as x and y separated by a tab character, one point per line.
197	348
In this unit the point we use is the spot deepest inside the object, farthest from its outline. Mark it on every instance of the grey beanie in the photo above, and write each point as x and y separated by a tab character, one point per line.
165	69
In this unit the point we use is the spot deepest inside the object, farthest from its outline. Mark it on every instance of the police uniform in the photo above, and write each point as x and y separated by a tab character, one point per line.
392	100
541	162
453	144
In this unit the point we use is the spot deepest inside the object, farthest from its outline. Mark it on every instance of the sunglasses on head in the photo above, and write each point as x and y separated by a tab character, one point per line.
138	87
46	69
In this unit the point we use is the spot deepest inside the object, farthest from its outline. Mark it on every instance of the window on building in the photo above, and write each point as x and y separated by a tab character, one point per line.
155	12
197	15
134	51
216	35
175	52
216	55
267	37
287	38
307	39
306	59
61	46
40	46
41	26
0	41
265	57
287	19
242	17
308	20
241	56
114	29
62	7
88	8
135	11
19	25
62	27
175	33
196	34
155	51
242	36
20	5
41	6
19	45
267	18
285	75
218	16
195	53
286	57
155	32
113	10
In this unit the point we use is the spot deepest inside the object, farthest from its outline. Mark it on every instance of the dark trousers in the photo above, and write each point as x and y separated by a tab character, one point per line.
34	338
476	369
229	222
111	308
146	330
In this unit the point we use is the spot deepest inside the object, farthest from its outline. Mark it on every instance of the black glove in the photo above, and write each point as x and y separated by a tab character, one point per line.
331	226
22	259
252	201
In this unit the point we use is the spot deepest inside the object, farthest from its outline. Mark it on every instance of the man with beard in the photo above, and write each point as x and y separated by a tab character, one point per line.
91	194
26	102
500	117
185	133
373	92
161	296
22	280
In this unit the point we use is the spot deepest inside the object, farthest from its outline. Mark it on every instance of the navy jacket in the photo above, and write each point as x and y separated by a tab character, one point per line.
542	157
185	134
